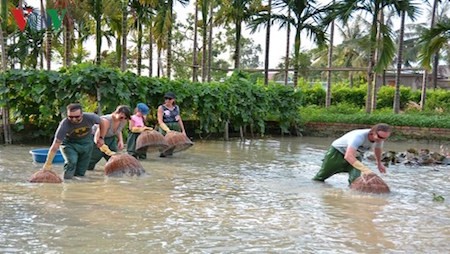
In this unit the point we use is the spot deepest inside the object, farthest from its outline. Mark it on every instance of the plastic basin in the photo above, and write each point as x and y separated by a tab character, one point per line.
40	155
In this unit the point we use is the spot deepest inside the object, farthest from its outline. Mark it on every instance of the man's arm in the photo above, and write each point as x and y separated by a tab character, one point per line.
51	154
377	151
103	128
350	157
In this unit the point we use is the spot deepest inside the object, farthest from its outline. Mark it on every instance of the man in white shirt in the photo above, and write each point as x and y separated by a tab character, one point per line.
345	153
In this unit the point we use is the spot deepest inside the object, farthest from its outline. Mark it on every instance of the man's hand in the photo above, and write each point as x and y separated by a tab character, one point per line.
381	168
120	145
100	142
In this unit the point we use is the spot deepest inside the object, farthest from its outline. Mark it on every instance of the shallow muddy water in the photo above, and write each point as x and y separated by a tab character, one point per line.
255	196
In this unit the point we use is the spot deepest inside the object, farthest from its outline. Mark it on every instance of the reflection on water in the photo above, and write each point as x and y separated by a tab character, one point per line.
223	197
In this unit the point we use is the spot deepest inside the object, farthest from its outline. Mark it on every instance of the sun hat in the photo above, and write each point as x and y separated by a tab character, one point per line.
143	108
170	95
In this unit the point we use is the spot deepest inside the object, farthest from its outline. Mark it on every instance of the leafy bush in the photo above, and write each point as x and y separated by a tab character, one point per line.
39	98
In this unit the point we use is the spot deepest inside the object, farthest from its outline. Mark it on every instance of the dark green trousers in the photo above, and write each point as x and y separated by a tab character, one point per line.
131	146
174	126
77	154
334	163
97	155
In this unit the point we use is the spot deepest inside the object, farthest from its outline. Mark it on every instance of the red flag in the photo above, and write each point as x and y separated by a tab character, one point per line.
20	19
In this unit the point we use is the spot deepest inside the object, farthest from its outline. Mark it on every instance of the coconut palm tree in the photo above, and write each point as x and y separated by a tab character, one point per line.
432	41
444	9
306	16
237	12
344	11
399	63
404	9
163	30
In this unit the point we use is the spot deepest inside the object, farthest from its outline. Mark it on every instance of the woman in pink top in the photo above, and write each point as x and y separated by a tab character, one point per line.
136	126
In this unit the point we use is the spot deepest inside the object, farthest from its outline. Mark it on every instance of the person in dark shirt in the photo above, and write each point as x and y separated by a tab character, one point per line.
169	118
75	139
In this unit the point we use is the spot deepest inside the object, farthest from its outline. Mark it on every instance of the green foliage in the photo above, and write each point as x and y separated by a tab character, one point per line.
385	97
39	98
313	94
343	94
437	99
333	115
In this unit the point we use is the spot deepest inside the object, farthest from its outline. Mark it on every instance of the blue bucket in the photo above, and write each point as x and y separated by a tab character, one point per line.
40	155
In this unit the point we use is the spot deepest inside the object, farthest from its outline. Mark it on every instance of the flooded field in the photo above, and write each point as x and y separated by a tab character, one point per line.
255	196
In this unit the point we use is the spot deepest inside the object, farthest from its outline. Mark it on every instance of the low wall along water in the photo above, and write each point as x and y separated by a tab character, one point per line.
320	129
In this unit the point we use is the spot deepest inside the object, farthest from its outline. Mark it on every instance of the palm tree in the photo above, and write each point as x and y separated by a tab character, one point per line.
123	58
163	30
65	9
399	63
237	12
432	41
330	58
307	16
425	73
194	53
97	4
286	57
404	9
206	24
353	51
210	38
267	50
345	9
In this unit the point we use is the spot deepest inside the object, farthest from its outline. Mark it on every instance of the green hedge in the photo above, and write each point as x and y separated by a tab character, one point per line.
39	98
437	99
335	114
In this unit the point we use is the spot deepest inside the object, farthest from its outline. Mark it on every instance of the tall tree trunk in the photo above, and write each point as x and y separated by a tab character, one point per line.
423	94
330	59
43	21
67	42
150	47
370	74
206	23
288	42
399	64
211	25
436	55
237	46
4	110
169	40
297	43
194	50
48	47
123	58
3	25
376	77
98	30
266	60
139	48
